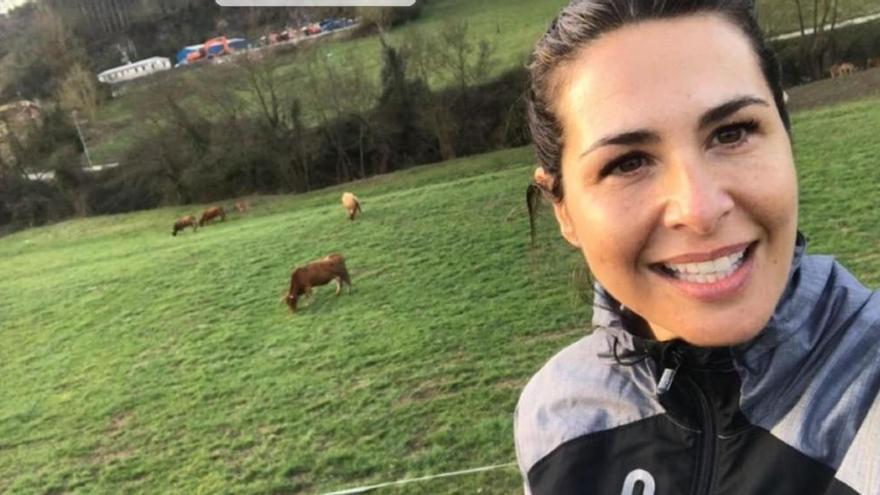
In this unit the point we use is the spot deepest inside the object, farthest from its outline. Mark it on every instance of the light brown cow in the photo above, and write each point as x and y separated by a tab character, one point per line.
319	272
212	213
842	69
184	222
241	206
351	204
873	62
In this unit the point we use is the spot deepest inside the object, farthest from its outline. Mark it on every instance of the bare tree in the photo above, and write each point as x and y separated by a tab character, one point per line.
77	91
323	82
824	22
448	59
281	114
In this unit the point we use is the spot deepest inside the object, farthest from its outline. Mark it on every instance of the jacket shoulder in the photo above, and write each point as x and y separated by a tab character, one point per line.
581	390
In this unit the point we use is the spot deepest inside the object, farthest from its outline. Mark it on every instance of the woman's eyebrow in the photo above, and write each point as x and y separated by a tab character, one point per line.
640	136
724	110
709	117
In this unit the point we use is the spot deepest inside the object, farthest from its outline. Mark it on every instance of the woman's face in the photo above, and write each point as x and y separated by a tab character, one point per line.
678	179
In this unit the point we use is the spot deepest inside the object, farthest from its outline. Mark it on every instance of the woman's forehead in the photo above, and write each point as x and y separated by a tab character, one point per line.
658	69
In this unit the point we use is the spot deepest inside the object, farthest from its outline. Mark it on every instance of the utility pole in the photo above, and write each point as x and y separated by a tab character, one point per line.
82	139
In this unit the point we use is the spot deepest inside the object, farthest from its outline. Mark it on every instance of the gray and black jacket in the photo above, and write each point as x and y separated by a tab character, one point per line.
794	411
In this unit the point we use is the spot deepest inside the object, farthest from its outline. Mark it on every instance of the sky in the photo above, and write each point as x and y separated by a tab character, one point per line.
6	5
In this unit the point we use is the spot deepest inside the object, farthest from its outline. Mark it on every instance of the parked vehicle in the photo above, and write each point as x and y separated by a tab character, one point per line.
332	24
313	28
214	47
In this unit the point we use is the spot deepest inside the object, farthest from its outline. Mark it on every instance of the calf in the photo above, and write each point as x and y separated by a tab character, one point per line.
351	204
873	62
184	222
241	206
316	273
212	213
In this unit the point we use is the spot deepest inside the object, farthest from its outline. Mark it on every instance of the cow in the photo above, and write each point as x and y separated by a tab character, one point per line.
842	69
873	62
315	273
212	213
184	222
241	206
351	204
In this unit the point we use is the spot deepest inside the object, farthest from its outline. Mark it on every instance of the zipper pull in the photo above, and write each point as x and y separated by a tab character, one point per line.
666	380
669	373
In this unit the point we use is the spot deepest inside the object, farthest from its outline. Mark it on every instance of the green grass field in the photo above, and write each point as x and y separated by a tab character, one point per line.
135	362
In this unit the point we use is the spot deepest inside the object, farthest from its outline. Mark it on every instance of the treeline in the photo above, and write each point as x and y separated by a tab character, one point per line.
324	124
272	126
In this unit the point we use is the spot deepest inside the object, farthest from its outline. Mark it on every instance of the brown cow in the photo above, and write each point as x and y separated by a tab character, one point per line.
351	204
842	69
241	206
184	222
319	272
212	213
873	62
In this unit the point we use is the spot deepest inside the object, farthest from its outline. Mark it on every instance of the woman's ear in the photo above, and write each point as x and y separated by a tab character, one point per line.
543	179
547	182
565	226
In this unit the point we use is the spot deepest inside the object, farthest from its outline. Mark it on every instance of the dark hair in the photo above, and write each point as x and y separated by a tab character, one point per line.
584	21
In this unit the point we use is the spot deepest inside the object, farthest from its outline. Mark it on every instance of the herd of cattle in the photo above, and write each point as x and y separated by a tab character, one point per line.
846	68
304	278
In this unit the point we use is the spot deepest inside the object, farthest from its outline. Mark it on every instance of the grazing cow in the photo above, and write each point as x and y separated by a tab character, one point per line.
241	206
351	204
184	222
212	213
843	69
316	273
873	62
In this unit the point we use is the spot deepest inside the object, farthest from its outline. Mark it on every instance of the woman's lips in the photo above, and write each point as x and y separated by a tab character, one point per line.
710	255
712	279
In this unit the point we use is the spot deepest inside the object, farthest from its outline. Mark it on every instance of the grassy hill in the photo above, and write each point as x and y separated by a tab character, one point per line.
133	361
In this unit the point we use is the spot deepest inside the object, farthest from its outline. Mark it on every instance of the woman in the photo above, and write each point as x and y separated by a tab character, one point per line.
724	360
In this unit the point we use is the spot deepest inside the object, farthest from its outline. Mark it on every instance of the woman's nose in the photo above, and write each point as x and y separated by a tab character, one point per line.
696	198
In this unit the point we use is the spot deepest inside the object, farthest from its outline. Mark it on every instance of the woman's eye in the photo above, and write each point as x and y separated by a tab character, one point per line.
625	165
735	133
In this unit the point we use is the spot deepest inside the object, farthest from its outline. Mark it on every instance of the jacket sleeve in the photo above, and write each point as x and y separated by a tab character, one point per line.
519	458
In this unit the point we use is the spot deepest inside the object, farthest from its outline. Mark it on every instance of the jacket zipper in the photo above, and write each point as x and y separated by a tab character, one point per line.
707	457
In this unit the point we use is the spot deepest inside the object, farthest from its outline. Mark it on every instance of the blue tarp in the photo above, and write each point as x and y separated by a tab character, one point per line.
181	55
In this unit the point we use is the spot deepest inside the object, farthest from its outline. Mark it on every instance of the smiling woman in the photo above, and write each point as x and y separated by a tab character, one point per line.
724	359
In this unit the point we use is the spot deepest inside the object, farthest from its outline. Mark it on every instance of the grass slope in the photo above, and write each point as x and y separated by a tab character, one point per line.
134	360
137	362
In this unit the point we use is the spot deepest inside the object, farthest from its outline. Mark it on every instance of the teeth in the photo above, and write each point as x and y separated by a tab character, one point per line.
707	271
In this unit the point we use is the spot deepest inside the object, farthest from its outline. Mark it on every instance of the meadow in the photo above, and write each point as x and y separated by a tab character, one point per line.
137	362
